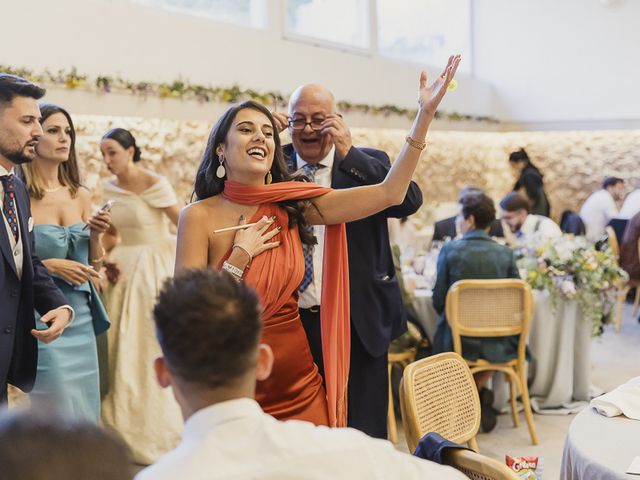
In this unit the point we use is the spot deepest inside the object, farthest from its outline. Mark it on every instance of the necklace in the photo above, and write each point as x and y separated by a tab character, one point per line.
51	190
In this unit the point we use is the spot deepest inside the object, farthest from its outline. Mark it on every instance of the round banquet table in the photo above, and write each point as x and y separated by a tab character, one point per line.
599	448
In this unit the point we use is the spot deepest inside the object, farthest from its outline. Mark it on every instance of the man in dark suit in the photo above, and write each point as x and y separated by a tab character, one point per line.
24	280
322	148
446	228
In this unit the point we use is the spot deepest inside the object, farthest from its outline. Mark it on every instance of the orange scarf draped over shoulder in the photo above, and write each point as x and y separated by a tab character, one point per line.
334	314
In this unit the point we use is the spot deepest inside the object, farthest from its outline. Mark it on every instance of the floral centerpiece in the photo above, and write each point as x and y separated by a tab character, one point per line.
571	268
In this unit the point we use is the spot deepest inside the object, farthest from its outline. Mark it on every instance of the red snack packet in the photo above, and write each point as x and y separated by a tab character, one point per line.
529	468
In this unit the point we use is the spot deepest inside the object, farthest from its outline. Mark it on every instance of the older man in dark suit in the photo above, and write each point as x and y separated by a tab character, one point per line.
24	280
322	148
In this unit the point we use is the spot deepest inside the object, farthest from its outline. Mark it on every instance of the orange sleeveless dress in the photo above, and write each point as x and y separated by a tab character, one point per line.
294	390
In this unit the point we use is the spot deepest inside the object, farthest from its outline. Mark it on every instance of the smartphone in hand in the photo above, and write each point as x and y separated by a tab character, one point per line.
104	208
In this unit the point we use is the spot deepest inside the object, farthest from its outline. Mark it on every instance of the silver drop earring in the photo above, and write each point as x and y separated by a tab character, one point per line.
221	171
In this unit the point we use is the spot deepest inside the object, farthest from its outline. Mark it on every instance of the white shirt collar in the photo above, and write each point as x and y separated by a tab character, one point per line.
326	161
204	420
4	171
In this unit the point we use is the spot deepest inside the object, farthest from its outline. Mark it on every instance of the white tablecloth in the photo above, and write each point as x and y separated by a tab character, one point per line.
600	448
560	345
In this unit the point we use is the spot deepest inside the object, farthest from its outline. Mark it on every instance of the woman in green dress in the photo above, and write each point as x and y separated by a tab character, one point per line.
69	243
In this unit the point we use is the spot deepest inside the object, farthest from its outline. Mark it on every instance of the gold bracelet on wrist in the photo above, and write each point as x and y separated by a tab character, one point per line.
99	260
245	251
415	144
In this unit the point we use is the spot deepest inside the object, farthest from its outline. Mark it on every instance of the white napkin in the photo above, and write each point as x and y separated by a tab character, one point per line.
624	400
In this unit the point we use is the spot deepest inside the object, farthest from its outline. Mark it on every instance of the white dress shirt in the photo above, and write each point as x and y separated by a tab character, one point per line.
311	296
16	247
537	226
236	440
596	212
631	205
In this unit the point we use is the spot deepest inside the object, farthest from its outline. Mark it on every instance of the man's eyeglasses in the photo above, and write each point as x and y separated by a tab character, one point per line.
301	124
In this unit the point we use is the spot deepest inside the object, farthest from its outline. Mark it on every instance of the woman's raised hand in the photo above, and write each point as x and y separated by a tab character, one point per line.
431	95
255	239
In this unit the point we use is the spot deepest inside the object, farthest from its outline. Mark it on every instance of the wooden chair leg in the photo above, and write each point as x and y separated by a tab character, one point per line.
617	320
526	403
391	416
513	394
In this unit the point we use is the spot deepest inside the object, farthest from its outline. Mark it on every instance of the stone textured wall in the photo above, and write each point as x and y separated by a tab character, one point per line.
573	163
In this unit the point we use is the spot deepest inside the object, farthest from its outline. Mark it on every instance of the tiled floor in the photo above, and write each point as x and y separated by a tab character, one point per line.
615	360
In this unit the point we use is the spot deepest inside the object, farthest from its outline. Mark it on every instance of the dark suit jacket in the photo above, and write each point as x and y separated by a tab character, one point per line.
377	313
18	348
447	228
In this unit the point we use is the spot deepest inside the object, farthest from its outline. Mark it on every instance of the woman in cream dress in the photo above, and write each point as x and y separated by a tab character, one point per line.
143	249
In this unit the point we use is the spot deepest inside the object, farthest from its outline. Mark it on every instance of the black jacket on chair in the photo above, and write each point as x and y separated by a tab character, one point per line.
377	312
19	297
447	228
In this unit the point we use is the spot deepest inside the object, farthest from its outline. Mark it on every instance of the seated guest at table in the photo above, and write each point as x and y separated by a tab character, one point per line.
529	183
631	205
39	445
523	224
570	222
474	256
629	248
447	227
209	329
601	207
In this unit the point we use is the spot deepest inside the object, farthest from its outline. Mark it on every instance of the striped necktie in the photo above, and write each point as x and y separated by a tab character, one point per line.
310	171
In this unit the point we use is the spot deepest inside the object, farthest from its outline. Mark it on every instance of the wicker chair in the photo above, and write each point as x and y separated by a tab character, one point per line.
438	394
495	308
478	467
612	240
403	359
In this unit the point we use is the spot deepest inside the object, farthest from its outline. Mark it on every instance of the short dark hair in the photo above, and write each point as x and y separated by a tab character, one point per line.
12	86
467	190
38	444
208	326
514	202
126	139
481	207
611	182
519	156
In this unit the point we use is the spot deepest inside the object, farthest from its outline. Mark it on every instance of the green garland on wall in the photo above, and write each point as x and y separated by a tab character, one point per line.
182	89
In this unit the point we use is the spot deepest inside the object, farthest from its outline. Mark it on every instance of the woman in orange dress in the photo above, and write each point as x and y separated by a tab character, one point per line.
243	178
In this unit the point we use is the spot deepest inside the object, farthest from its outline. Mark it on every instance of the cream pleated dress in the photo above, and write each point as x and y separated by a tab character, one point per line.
144	414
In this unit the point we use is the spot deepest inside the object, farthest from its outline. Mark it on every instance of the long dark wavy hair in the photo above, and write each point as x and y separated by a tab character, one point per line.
68	172
207	184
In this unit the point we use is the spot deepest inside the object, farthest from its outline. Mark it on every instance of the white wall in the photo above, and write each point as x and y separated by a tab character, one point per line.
560	63
103	37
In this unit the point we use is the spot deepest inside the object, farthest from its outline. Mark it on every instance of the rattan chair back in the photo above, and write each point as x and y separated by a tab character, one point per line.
612	240
438	394
479	467
489	308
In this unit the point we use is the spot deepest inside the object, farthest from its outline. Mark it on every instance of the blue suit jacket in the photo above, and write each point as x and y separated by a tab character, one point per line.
18	298
377	313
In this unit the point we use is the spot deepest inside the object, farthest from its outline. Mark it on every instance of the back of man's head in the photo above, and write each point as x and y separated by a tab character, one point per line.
515	201
208	326
481	207
12	86
37	445
611	182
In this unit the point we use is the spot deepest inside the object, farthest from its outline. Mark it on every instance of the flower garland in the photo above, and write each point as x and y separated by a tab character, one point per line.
571	268
182	89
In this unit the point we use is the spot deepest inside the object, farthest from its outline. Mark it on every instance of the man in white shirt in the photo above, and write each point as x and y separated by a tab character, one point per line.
524	225
25	283
209	329
601	207
631	205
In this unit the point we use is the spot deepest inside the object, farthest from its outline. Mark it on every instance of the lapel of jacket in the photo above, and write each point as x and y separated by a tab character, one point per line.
5	245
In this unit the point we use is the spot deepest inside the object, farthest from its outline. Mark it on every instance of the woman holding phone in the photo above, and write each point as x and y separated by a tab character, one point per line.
139	242
69	242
